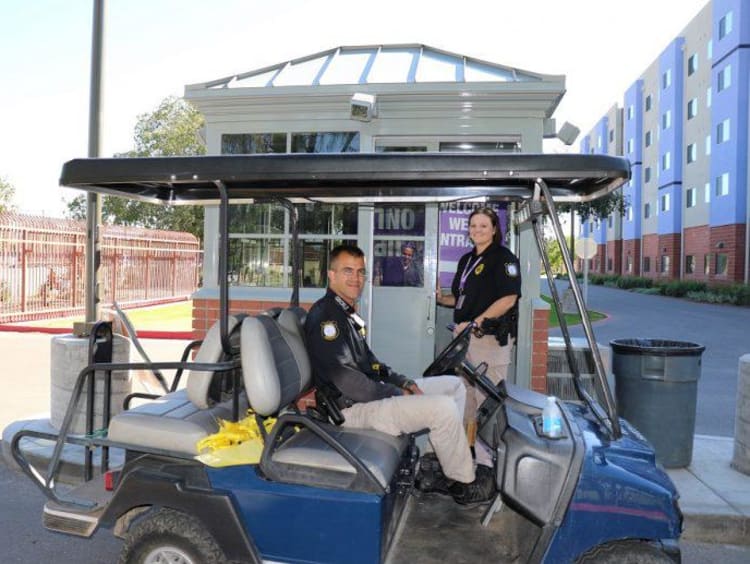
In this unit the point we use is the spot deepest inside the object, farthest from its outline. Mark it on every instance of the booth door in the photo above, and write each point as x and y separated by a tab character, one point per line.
403	304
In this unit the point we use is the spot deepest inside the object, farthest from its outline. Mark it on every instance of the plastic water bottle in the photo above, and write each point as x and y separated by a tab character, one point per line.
552	419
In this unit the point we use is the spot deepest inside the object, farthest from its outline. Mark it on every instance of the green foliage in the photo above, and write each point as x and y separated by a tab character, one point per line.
7	194
601	208
170	130
628	282
555	256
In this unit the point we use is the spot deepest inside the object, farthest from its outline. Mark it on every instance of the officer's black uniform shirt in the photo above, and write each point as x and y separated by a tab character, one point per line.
341	357
497	275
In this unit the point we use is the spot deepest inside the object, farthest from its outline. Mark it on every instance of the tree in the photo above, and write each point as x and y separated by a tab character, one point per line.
601	208
170	130
7	194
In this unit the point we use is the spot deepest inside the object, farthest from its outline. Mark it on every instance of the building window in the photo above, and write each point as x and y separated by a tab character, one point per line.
725	26
630	112
707	193
610	221
646	210
647	174
708	97
611	135
722	184
666	261
706	264
690	198
251	143
664	203
629	213
708	145
646	264
647	140
692	153
666	161
629	264
721	264
630	145
689	264
333	142
666	79
724	78
666	120
692	63
693	108
609	264
648	103
722	131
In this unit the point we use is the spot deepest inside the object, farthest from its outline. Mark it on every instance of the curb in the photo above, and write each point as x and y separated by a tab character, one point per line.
147	334
717	529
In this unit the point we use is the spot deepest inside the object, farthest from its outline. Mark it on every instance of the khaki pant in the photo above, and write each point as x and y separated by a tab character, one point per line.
440	410
487	350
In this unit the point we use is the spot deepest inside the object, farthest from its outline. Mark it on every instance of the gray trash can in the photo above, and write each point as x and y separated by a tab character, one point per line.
656	384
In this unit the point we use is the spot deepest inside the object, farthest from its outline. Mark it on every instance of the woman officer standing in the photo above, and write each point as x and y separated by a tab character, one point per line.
485	290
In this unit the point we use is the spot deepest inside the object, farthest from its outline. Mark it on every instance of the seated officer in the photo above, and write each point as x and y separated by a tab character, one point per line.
372	396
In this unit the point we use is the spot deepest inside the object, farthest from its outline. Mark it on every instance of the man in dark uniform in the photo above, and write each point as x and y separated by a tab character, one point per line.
373	396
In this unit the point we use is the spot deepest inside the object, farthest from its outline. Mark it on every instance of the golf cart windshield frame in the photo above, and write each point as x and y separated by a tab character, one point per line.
537	182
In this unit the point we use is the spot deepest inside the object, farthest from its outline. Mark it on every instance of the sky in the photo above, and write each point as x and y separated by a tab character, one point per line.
153	48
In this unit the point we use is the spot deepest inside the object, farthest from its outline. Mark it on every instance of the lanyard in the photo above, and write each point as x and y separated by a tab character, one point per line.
349	310
467	271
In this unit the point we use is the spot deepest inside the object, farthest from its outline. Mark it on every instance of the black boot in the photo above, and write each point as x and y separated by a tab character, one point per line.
481	490
430	478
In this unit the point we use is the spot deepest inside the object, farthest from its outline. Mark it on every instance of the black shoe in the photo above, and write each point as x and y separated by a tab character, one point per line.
430	478
481	490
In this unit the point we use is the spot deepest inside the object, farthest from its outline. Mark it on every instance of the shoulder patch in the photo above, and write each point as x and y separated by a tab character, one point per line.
511	269
329	330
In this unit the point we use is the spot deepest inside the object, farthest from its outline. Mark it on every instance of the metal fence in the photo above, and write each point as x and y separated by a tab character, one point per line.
42	266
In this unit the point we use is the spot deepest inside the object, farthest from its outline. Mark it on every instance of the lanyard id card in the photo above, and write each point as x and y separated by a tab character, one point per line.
460	301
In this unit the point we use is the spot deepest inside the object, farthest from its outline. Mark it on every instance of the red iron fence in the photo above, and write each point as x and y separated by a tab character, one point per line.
42	266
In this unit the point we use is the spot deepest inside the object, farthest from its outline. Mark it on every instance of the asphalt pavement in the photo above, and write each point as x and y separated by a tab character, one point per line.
722	329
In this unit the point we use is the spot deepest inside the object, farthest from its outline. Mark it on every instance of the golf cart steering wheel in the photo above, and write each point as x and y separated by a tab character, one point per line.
452	355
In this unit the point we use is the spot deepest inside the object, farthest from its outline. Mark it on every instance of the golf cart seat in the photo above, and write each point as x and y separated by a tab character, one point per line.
277	370
179	419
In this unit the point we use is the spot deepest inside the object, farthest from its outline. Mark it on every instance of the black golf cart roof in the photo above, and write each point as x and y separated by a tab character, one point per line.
366	177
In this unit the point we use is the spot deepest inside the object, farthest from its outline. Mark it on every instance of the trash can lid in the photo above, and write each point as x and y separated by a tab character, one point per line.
657	347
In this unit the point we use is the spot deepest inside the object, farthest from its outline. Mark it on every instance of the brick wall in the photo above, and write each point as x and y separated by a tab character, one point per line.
697	245
669	246
540	332
650	250
600	260
614	253
632	248
729	240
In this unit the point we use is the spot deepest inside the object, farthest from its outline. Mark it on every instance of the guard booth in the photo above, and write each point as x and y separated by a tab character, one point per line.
380	98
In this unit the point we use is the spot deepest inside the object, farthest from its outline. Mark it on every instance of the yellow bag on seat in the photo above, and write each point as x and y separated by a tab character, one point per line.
236	442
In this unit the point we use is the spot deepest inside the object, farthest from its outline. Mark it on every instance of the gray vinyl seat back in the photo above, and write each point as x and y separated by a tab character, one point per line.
275	364
276	370
199	381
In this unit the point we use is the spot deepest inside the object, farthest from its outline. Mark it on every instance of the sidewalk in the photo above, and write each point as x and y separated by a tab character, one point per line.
714	497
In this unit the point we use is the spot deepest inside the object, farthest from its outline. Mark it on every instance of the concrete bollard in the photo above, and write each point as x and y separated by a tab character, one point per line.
741	458
69	355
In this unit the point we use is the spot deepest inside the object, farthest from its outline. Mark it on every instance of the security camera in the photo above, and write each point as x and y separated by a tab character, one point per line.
363	107
568	133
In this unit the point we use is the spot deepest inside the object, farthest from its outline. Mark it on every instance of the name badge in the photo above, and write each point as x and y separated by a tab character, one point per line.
460	301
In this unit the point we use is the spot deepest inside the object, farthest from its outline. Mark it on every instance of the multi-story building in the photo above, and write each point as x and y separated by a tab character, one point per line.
684	127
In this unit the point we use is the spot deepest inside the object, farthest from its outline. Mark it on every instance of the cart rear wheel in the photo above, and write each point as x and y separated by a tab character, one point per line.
625	552
169	536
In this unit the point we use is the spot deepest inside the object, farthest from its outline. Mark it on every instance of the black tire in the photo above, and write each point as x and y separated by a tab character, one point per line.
625	552
170	536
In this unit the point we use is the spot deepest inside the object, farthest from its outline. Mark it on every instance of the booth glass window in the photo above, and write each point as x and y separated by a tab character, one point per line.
252	143
331	142
256	262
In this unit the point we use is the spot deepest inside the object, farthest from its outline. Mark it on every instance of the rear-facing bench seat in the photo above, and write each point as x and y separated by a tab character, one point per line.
176	421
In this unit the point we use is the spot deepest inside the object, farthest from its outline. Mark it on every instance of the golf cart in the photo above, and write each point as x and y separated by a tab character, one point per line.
325	493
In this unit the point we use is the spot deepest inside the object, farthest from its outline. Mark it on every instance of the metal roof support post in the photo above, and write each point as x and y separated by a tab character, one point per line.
94	201
528	254
223	266
585	321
